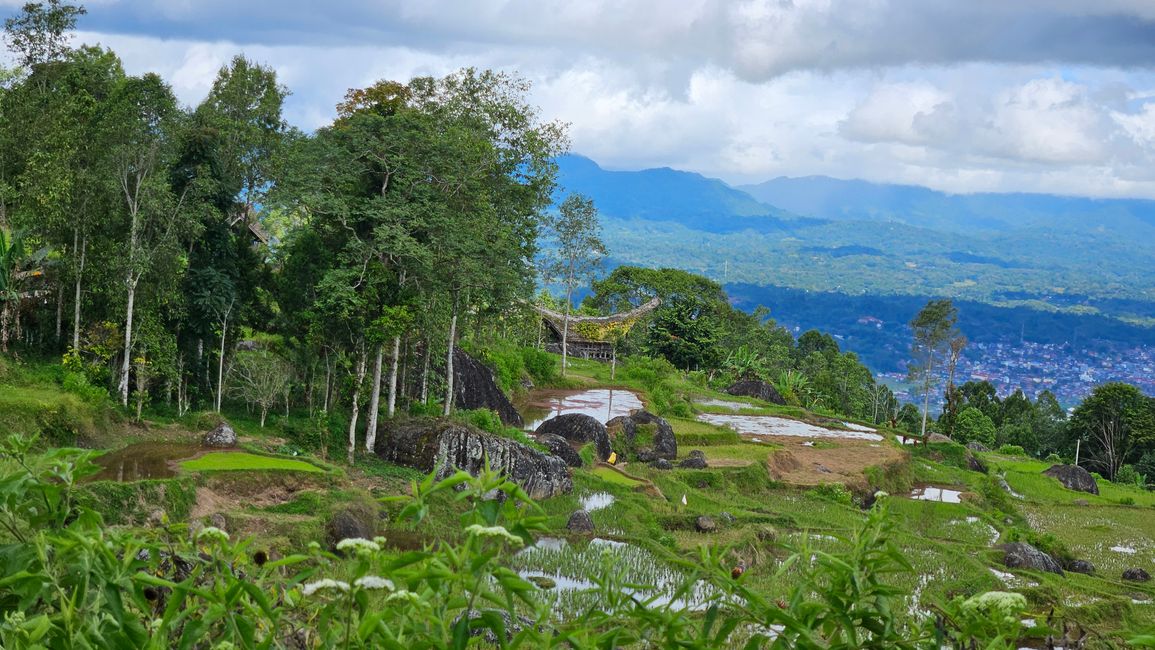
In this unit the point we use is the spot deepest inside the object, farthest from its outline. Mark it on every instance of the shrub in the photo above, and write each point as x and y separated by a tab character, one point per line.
1054	458
836	492
1128	475
974	426
1012	450
541	365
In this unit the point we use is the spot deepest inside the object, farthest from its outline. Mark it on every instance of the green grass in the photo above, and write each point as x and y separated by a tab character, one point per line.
236	460
610	476
702	434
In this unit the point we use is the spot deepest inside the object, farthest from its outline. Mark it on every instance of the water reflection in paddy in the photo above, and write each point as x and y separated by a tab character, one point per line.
144	460
769	425
602	404
933	493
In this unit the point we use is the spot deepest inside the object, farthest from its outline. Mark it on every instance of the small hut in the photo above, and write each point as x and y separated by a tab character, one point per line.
591	337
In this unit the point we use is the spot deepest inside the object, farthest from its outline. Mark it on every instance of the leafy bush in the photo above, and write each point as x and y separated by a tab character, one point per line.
1012	450
541	366
1054	458
1128	475
836	492
974	426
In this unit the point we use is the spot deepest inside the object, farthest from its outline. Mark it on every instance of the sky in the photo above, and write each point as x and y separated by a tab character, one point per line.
1053	96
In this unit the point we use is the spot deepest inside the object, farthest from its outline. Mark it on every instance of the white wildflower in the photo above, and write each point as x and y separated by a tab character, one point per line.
320	585
494	531
357	544
374	582
879	494
404	594
1001	603
211	533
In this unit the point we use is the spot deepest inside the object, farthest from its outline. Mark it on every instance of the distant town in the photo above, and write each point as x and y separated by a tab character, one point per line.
1070	374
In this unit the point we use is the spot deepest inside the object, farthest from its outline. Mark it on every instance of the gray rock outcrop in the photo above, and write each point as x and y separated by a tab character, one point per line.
1136	575
623	432
1081	566
661	463
977	446
705	524
975	464
696	460
349	523
756	389
444	446
579	428
1021	555
474	387
580	522
1073	477
665	444
560	447
221	435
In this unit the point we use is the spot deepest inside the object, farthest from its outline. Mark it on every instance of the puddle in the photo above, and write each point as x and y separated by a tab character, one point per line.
858	427
933	493
1124	549
597	501
769	425
993	533
144	460
603	404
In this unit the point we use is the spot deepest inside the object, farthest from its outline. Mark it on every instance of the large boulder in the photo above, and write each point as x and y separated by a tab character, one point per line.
756	389
1136	575
665	444
580	522
696	460
221	435
623	432
1073	477
579	428
977	446
975	464
350	522
475	388
1020	555
704	524
1081	566
560	447
444	446
938	439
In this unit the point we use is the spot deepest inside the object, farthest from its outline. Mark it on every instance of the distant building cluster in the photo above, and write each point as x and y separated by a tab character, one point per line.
1071	374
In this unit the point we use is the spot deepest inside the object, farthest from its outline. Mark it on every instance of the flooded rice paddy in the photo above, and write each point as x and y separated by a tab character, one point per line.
769	425
144	460
602	404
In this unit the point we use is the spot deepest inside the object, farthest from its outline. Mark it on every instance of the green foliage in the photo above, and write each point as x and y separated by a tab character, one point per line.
490	422
134	503
836	492
974	426
1012	450
1128	475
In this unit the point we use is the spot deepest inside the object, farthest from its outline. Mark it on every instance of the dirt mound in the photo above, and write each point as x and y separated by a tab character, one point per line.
798	463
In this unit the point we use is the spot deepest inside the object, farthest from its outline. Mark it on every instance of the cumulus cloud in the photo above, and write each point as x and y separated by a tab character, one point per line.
1032	95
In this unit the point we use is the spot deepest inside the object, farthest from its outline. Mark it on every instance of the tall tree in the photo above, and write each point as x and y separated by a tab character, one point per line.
576	255
39	34
933	328
141	131
1117	424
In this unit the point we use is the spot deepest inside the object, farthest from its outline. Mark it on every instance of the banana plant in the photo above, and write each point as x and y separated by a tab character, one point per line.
17	267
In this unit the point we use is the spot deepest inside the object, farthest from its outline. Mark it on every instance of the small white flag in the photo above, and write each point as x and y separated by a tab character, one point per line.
683	499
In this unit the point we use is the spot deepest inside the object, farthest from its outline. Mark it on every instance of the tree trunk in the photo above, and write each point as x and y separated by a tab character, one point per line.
59	311
926	392
5	309
425	372
221	357
328	383
76	296
361	363
264	412
449	363
565	330
393	375
374	403
124	365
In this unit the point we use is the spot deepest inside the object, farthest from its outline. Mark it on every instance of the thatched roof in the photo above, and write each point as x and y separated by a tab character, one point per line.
578	324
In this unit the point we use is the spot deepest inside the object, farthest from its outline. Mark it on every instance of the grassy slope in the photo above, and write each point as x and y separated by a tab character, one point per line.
947	544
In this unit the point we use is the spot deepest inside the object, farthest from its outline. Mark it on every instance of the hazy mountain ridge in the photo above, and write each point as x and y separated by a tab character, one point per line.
856	200
1049	253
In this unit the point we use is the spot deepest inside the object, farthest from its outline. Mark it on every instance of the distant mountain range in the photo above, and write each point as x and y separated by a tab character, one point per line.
1043	252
